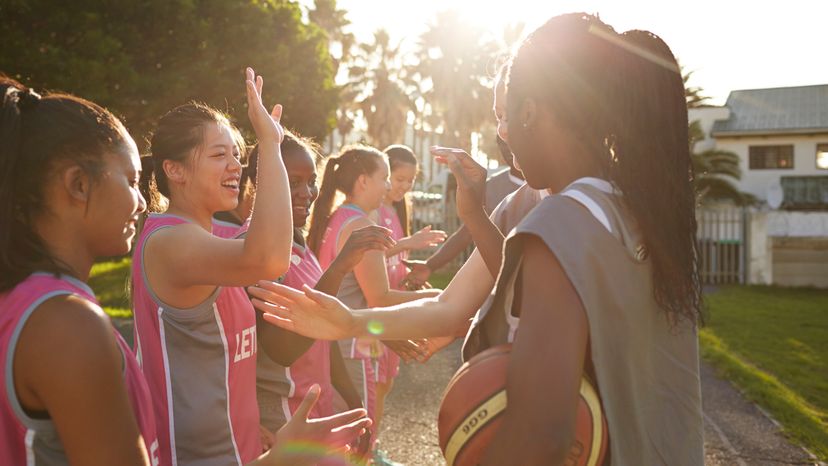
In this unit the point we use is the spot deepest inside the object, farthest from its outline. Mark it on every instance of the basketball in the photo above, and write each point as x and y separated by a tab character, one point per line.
476	397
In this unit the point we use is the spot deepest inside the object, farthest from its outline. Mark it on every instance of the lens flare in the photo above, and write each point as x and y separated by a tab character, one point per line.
375	327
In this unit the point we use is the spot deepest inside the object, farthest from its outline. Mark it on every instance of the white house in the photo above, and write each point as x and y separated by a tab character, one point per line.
781	138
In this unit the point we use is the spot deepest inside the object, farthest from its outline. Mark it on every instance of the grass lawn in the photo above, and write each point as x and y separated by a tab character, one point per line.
773	343
110	281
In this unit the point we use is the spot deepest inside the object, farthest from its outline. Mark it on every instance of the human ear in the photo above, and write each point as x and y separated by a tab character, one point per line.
77	183
174	170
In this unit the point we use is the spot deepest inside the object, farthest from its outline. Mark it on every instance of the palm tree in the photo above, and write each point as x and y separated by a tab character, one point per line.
454	59
378	80
693	94
714	171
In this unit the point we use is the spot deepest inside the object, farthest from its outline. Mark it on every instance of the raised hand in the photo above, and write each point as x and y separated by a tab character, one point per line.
426	238
266	125
308	312
359	242
471	180
333	434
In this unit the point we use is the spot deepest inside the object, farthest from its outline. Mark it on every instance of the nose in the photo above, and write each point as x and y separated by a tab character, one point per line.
142	203
235	164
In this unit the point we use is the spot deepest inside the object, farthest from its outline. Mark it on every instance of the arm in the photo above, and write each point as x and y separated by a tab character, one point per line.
67	363
458	242
285	347
471	208
321	316
189	256
425	238
372	275
341	381
553	335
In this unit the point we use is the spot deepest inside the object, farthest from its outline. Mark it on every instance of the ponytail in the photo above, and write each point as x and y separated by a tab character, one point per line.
341	174
37	133
653	169
323	206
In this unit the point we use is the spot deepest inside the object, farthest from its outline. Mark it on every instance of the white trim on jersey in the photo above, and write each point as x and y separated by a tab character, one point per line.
227	380
29	441
591	205
291	393
168	382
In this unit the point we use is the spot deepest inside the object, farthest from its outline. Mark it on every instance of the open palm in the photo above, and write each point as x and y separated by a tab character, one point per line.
308	312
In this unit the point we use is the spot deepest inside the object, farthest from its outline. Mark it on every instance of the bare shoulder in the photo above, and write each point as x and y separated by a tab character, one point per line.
356	224
67	341
68	327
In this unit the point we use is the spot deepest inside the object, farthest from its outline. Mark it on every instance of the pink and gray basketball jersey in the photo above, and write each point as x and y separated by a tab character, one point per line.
30	441
200	365
397	271
349	291
281	389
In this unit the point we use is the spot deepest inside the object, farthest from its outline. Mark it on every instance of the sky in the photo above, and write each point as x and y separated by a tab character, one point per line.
728	44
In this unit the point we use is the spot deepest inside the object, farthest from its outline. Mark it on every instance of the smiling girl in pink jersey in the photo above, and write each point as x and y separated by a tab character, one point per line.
196	332
72	392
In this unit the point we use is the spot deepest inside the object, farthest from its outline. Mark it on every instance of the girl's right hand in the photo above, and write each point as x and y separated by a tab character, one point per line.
267	126
307	312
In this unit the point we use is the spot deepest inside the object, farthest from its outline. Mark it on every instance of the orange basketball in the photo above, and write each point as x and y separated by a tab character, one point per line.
476	397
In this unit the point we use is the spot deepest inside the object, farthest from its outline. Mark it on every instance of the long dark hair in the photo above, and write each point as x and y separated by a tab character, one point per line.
37	134
399	154
341	172
622	95
178	133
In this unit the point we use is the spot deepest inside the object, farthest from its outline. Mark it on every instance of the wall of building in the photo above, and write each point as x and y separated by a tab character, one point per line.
758	181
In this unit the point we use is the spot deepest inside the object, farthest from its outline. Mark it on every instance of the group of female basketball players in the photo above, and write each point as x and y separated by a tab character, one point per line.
596	275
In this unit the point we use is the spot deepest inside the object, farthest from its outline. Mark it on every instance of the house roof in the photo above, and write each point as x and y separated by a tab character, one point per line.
783	110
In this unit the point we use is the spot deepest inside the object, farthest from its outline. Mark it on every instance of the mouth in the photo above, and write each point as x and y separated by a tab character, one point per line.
231	184
301	210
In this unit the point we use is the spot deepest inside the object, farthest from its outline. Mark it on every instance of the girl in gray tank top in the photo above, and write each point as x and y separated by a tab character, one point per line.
599	279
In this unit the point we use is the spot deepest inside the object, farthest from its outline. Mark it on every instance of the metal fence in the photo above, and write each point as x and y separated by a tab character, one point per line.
722	244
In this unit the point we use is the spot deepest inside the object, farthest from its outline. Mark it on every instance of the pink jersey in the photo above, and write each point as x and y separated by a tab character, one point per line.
200	364
397	271
224	229
35	441
349	292
282	389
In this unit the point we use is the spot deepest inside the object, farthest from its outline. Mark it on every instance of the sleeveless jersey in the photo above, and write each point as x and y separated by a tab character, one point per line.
32	441
397	271
200	364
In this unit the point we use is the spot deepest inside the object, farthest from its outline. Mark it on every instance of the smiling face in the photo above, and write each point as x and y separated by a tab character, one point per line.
302	176
115	203
402	180
209	180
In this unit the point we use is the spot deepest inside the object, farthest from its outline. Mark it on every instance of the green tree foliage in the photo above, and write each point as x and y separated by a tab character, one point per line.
140	59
